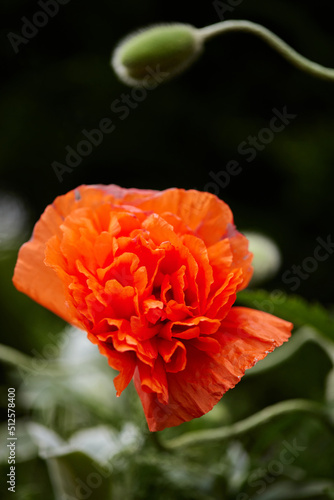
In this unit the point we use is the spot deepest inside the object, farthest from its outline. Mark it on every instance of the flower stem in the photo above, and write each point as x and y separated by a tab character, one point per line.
26	363
271	39
155	439
14	357
311	408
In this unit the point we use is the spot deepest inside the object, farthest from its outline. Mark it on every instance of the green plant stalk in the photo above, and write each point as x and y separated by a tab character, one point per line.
264	416
26	363
273	41
16	358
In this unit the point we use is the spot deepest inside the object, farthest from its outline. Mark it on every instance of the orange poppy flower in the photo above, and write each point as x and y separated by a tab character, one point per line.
151	276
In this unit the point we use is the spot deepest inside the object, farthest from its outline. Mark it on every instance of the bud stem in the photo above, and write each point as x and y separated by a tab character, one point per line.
273	41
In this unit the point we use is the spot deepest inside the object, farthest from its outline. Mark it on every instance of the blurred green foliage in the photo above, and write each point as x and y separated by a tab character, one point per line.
70	424
86	443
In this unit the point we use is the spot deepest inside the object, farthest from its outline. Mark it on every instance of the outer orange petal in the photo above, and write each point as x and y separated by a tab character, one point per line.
257	325
31	275
131	196
246	336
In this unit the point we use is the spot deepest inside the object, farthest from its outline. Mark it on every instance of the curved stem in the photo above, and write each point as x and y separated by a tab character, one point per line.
262	417
271	39
30	365
15	357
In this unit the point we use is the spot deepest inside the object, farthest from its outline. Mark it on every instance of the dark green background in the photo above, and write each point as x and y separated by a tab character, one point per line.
61	83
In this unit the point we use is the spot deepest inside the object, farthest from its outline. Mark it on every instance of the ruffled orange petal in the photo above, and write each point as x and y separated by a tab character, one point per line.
204	213
245	337
124	362
242	258
31	275
153	380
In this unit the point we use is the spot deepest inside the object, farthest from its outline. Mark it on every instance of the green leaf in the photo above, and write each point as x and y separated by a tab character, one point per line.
292	308
74	476
83	466
99	443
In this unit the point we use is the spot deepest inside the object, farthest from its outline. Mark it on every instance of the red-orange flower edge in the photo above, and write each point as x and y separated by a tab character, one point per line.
151	276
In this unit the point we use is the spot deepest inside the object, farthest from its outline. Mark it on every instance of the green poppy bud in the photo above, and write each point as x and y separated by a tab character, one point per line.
159	52
166	49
